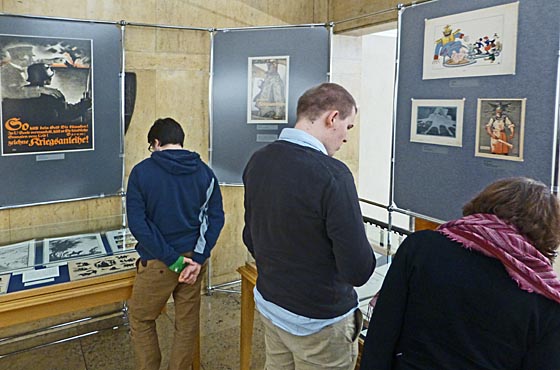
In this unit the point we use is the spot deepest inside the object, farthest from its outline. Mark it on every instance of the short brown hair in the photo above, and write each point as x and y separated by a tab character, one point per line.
527	204
324	97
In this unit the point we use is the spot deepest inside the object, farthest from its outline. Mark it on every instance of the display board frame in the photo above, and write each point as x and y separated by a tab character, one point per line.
81	172
434	182
234	137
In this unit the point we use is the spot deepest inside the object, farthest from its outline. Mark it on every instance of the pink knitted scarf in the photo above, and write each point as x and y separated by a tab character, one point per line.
487	234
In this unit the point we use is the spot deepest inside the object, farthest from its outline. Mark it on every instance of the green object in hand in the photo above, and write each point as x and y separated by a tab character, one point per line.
178	265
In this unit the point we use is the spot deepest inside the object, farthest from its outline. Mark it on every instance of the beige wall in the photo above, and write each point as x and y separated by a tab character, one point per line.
172	69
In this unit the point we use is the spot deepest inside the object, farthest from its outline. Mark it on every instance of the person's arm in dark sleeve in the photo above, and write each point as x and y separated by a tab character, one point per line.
215	223
353	254
545	354
247	237
144	230
386	321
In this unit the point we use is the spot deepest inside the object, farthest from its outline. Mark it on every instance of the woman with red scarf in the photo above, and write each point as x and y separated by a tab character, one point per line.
478	293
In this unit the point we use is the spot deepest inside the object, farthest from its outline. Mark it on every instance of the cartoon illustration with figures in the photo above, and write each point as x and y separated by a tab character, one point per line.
481	42
454	49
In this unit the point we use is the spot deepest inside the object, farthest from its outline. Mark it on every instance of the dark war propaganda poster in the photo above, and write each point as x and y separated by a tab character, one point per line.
47	94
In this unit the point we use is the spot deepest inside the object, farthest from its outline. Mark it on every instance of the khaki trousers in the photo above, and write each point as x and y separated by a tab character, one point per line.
334	347
153	285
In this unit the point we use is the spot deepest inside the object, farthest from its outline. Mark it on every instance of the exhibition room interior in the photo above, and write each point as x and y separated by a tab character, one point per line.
419	149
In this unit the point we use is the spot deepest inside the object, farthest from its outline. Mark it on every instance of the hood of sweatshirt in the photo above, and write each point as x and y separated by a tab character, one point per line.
177	161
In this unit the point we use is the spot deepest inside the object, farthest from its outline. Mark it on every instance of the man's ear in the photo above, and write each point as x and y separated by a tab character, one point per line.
331	116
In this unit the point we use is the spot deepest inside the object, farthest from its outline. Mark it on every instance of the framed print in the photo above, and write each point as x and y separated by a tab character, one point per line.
72	247
437	122
120	240
500	129
267	100
17	256
83	269
47	94
477	43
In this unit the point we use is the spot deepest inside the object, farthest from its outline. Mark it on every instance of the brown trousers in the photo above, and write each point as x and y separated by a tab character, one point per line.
333	347
153	285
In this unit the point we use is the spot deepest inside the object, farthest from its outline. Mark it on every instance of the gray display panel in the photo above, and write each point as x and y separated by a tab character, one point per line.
435	180
84	171
233	138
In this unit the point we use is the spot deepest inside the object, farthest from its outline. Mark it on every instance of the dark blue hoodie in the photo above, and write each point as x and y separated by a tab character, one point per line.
174	205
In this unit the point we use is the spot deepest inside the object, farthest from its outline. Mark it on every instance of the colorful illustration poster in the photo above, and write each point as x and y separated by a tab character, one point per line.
476	43
500	128
46	89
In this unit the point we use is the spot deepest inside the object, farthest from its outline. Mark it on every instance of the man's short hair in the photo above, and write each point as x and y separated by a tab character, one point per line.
167	131
325	97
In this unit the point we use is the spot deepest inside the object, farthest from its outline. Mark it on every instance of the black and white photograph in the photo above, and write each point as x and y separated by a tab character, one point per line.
46	86
438	122
72	247
93	267
120	240
500	129
268	89
17	256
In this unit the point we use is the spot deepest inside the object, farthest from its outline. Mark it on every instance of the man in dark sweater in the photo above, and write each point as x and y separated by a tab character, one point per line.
174	209
304	228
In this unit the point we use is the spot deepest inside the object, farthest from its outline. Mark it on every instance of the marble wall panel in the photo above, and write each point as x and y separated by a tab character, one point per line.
104	213
129	10
141	39
184	42
5	227
48	220
183	95
136	141
230	252
60	8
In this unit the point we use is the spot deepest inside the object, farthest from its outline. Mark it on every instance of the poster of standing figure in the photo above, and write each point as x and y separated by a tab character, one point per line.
72	247
268	89
500	129
476	43
46	89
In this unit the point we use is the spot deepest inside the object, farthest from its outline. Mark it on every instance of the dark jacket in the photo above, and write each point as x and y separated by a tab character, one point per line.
445	307
304	227
169	196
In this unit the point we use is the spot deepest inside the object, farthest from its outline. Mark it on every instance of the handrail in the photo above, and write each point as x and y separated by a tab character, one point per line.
384	225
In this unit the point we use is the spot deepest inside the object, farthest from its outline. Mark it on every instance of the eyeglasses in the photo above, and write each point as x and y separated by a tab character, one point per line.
150	148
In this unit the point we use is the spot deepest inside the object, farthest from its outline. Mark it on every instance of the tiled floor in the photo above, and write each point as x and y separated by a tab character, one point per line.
111	349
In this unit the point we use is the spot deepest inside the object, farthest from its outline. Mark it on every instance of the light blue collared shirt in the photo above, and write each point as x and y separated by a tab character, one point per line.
286	320
300	137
